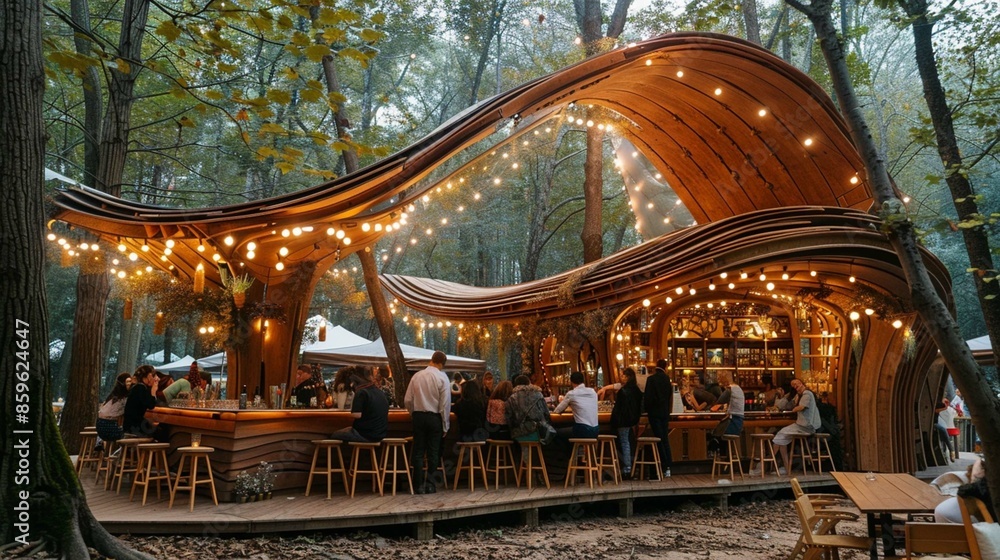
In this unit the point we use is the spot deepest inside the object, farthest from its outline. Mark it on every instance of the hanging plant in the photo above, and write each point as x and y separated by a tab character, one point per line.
238	286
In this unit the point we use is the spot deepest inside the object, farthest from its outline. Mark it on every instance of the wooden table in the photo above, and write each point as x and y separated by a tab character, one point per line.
887	494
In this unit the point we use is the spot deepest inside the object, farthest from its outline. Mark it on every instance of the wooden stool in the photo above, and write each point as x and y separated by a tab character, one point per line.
128	460
500	457
527	470
359	448
107	463
397	447
152	468
329	446
607	457
88	455
583	460
475	463
639	460
802	442
192	455
762	450
732	457
822	452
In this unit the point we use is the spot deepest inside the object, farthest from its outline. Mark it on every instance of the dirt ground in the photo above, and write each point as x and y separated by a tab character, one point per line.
759	528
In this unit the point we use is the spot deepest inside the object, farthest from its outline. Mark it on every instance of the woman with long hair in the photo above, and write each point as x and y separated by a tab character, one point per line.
470	411
625	415
140	399
109	416
496	411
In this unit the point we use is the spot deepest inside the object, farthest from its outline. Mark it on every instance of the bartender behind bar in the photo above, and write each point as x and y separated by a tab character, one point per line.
306	389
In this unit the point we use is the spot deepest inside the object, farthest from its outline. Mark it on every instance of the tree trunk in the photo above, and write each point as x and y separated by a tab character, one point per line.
86	363
397	363
593	190
128	343
977	243
941	326
41	496
750	20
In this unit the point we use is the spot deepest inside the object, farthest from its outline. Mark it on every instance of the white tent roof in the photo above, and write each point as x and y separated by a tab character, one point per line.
336	337
183	364
212	362
157	358
980	344
373	354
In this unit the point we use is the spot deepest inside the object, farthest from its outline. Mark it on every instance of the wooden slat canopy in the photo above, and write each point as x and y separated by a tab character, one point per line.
732	128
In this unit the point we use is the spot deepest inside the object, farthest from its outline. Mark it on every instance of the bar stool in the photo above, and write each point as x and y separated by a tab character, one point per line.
500	457
583	460
358	449
88	455
475	463
640	460
731	458
444	473
192	455
822	452
397	447
107	463
128	460
802	442
328	469
152	468
762	450
529	449
607	457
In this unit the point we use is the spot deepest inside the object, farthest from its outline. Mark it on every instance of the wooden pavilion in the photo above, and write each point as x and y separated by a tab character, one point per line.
754	149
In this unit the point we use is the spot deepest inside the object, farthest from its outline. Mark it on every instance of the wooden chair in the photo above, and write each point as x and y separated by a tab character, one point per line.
819	501
973	507
818	536
935	538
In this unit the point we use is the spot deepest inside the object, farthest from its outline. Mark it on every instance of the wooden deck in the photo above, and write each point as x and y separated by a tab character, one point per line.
292	512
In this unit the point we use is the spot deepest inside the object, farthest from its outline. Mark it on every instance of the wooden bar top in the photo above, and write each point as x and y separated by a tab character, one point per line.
889	492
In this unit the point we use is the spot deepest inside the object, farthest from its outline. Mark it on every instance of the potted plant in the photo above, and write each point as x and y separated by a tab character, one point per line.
265	480
245	486
238	286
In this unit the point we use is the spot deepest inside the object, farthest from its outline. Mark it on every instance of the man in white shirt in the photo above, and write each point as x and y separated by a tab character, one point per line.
428	398
583	399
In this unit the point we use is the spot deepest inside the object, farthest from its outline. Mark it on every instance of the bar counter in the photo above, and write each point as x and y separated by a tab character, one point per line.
244	438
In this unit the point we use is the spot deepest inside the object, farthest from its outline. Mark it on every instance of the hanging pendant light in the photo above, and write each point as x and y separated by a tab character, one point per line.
199	279
127	310
158	323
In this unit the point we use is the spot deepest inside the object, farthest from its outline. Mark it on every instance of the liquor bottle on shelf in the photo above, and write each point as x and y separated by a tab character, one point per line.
243	398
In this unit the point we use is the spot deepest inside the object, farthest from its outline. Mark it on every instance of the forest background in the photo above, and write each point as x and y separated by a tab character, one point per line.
232	102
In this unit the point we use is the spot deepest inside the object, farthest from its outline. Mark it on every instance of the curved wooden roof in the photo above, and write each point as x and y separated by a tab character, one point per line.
733	129
835	243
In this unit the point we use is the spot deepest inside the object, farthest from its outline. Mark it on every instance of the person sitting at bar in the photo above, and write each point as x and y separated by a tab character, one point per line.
496	411
488	383
470	411
183	387
697	398
583	399
163	381
807	421
733	402
140	399
370	409
526	410
429	402
625	415
109	416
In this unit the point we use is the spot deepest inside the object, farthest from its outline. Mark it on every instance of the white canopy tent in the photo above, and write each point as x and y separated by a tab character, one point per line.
336	337
157	358
181	365
373	354
214	361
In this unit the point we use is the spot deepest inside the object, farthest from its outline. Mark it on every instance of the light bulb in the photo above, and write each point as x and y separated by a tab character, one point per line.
279	266
229	241
855	315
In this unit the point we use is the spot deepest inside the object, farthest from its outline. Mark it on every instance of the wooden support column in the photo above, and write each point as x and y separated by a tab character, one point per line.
626	508
529	517
423	530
